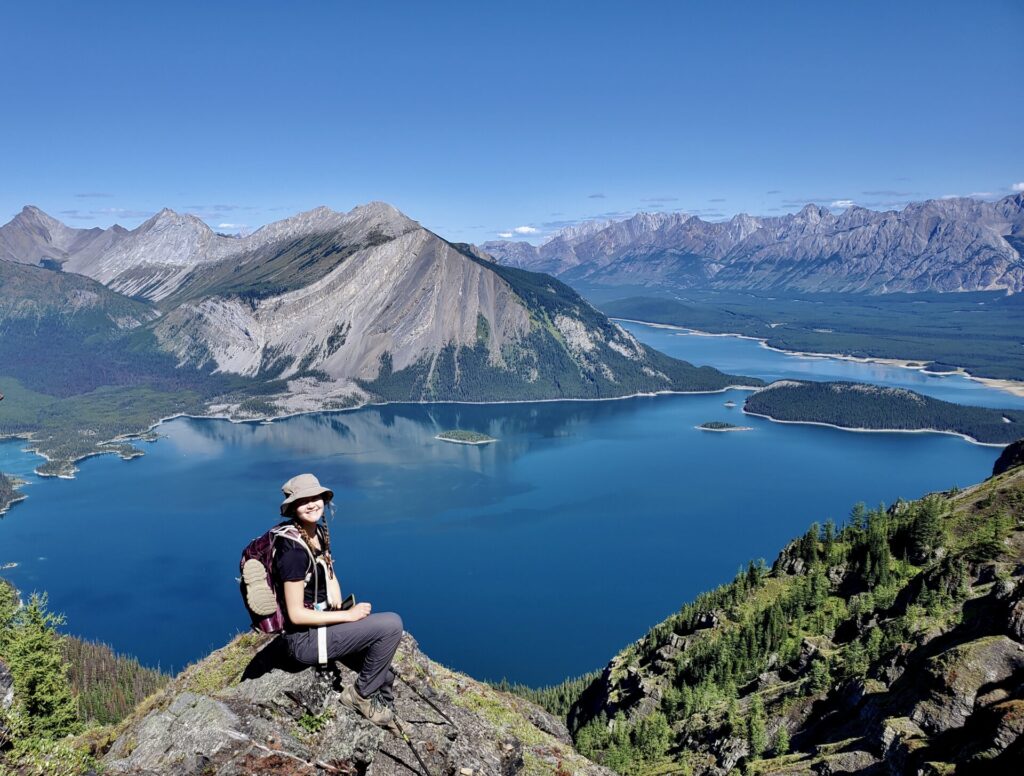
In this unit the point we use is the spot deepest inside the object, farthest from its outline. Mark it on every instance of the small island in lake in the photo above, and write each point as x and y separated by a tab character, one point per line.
718	425
730	404
465	437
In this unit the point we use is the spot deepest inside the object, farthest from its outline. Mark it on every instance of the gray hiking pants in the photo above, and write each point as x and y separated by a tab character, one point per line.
366	646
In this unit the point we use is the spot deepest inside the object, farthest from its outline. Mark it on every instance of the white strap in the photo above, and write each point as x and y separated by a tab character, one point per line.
321	645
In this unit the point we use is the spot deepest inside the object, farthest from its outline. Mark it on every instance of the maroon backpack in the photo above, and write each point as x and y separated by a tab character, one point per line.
261	592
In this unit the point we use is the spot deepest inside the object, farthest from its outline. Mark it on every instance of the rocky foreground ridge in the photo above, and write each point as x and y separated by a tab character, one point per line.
246	709
956	244
893	646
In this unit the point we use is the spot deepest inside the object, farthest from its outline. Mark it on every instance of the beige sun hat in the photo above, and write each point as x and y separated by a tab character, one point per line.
303	486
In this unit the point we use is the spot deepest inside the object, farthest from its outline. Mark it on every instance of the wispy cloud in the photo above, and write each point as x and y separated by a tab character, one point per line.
105	212
122	212
891	193
595	196
843	203
801	201
554	226
504	235
1017	187
717	199
94	195
774	191
232	226
982	194
525	230
660	199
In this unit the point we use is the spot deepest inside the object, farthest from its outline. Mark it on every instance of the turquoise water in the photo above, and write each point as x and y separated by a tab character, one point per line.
534	558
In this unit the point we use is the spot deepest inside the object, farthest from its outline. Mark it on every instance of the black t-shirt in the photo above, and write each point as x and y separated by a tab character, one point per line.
291	564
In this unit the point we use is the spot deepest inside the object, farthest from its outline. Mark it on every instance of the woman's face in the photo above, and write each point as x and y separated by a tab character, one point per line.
309	510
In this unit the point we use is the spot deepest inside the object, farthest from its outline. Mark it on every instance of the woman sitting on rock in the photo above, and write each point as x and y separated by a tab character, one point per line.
318	630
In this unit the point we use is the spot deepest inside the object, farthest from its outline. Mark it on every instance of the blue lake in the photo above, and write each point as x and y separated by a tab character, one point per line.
535	558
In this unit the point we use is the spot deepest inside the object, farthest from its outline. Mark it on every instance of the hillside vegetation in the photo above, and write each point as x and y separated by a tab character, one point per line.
982	332
898	637
59	685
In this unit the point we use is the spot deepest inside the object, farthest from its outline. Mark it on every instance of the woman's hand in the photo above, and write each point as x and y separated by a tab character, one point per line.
359	611
298	614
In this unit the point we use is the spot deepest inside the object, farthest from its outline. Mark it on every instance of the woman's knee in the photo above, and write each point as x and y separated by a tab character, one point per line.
390	622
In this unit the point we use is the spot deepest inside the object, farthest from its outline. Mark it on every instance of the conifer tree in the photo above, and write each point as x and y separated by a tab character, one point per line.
757	734
42	689
781	744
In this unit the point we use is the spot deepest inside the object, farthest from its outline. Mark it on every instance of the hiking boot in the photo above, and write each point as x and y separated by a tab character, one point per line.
374	708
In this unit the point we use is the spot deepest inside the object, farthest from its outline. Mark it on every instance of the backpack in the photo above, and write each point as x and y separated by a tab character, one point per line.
261	592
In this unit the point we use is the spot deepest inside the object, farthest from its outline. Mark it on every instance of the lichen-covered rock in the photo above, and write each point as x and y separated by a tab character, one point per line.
900	738
956	676
247	709
855	761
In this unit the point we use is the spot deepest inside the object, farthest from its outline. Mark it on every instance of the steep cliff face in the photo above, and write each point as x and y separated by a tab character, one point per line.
893	646
938	245
247	709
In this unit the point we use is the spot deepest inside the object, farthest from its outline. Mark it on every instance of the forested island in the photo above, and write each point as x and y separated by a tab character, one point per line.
465	437
719	425
858	406
9	493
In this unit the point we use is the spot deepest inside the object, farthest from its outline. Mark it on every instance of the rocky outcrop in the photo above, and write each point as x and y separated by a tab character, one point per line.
6	687
938	245
247	709
1012	455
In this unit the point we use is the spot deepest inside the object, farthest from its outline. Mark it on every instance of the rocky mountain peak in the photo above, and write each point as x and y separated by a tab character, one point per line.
248	708
32	218
169	219
813	213
382	215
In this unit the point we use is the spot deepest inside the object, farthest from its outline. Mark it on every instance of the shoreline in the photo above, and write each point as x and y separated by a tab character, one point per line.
857	430
725	430
29	437
1013	387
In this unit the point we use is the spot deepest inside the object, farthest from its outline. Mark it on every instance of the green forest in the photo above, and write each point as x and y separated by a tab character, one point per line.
62	686
982	332
859	405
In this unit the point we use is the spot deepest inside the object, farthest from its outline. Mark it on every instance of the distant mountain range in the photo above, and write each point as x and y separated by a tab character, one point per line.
941	245
318	311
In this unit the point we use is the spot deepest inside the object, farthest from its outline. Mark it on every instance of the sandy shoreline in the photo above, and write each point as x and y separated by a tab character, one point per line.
725	430
1014	387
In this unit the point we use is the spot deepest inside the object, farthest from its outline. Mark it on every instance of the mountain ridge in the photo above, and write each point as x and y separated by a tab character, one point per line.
938	245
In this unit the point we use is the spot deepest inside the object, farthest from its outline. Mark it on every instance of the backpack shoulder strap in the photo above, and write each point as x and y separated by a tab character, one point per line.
289	531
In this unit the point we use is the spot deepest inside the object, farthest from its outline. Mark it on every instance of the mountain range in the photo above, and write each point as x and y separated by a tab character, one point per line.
319	311
957	244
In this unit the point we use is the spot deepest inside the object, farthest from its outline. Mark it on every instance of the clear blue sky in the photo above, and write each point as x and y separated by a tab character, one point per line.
477	117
